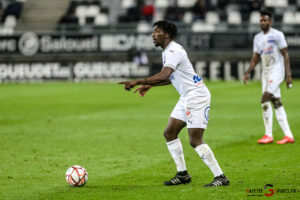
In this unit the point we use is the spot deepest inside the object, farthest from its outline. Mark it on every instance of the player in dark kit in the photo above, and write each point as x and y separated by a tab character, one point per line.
192	109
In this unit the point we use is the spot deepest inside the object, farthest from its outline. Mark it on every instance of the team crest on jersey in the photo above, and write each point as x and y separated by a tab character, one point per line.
269	50
206	112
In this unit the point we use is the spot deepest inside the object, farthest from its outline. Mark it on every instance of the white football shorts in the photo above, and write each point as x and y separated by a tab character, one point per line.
193	108
271	82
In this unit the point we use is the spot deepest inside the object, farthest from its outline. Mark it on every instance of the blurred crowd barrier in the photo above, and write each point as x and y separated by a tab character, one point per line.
120	54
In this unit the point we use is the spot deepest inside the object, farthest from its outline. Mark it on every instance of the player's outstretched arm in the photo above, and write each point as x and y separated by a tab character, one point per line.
287	67
253	63
161	78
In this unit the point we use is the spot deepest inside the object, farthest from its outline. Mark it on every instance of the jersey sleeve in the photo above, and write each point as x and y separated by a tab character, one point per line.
172	58
281	41
255	45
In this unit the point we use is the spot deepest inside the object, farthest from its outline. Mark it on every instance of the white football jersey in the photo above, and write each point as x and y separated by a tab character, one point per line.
268	47
184	78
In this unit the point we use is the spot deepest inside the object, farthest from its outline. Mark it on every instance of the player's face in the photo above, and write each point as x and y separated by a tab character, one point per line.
265	22
158	36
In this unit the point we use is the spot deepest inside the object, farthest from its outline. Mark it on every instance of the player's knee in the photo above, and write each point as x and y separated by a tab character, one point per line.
170	135
265	106
266	97
194	142
276	102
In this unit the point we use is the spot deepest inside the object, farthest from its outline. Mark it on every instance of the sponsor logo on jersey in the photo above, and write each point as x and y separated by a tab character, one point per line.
271	41
269	50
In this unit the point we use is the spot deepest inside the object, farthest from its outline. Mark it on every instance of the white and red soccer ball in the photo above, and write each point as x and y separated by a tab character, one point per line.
76	176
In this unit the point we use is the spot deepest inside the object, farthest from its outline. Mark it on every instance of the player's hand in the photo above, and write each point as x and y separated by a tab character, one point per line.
142	89
128	85
289	81
246	78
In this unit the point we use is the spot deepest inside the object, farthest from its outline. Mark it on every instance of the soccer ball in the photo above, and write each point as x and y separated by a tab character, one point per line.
76	176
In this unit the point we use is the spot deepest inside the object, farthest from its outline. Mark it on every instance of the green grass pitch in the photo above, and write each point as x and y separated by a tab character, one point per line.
118	137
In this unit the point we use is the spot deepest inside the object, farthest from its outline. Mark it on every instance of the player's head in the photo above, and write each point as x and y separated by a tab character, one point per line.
265	20
163	31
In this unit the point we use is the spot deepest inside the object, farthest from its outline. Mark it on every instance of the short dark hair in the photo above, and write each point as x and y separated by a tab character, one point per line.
167	27
266	12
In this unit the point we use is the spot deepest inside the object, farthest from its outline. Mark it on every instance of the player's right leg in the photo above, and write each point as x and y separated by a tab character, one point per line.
282	120
175	148
267	118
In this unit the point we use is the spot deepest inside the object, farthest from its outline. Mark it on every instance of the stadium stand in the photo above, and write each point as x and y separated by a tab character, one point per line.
211	15
10	12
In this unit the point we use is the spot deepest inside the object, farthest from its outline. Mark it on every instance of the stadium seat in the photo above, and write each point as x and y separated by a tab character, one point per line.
158	15
297	18
188	17
92	11
101	19
288	17
234	17
276	3
203	27
143	27
254	17
212	17
161	3
81	11
10	22
127	4
186	3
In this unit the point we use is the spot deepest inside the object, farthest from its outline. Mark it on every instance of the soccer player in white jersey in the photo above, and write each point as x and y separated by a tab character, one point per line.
192	108
271	47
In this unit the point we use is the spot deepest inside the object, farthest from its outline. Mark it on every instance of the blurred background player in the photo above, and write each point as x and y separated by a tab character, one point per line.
271	47
192	108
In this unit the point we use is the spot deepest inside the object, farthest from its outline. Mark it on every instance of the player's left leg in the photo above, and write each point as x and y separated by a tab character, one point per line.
206	154
282	120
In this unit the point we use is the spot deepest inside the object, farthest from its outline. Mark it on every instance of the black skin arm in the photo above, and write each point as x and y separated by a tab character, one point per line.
166	82
287	66
159	79
254	60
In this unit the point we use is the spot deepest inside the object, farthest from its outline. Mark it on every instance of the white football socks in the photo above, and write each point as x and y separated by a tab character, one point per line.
282	120
209	159
268	118
176	150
